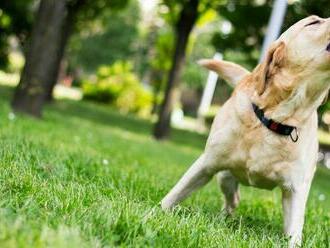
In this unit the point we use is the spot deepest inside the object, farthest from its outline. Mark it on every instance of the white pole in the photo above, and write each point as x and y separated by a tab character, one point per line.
274	25
208	90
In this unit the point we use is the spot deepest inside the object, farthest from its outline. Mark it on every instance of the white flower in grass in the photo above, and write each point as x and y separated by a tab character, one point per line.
321	197
11	116
105	162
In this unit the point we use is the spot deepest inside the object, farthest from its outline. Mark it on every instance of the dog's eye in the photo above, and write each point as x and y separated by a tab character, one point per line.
312	23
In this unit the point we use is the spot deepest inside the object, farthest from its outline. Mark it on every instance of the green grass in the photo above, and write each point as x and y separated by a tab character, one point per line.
85	176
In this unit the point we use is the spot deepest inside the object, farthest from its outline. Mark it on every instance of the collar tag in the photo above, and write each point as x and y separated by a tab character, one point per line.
295	137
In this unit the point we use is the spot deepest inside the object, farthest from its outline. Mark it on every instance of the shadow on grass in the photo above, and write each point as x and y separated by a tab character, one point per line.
255	224
102	114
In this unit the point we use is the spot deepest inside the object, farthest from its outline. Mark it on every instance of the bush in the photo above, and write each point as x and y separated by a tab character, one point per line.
117	85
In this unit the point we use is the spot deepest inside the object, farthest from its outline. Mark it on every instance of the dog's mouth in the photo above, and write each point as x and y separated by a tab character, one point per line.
328	47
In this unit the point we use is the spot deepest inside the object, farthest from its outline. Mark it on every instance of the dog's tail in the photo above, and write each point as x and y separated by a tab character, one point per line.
232	73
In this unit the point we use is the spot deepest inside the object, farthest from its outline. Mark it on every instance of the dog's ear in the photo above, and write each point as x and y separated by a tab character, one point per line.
229	71
273	63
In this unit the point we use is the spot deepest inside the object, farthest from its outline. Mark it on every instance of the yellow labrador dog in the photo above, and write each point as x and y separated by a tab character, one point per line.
265	135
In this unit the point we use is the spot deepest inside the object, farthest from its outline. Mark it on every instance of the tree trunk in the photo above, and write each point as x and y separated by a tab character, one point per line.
157	78
187	19
154	109
53	76
43	56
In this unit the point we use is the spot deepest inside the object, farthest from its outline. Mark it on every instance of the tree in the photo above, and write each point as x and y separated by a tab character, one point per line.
45	51
51	31
188	17
110	37
183	23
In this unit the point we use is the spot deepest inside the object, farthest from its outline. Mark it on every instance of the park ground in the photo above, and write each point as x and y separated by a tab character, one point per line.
86	176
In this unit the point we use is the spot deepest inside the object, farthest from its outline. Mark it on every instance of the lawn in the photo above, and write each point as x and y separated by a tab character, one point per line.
86	176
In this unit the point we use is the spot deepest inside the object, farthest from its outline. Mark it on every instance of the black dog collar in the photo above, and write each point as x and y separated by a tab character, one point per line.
275	126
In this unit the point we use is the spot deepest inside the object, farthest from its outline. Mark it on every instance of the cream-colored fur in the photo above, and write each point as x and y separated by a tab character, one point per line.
289	86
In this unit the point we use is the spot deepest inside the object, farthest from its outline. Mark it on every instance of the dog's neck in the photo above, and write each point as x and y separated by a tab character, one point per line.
293	106
297	109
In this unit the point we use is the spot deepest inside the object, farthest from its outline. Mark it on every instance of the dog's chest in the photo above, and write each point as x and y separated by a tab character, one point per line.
259	175
261	164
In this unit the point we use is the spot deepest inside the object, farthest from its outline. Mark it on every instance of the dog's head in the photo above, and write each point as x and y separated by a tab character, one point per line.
296	65
308	43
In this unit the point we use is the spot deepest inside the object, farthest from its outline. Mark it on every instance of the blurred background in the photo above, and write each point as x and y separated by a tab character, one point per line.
103	107
137	57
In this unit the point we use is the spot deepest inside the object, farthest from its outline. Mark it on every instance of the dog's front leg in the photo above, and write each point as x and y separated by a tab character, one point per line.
197	175
294	204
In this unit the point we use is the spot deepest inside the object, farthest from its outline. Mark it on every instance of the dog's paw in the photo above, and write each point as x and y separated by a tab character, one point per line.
166	205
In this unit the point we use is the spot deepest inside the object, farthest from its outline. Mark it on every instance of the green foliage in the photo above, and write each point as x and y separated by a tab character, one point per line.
170	9
198	47
118	85
245	31
195	76
91	9
163	50
324	107
111	36
87	176
160	59
303	8
16	19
